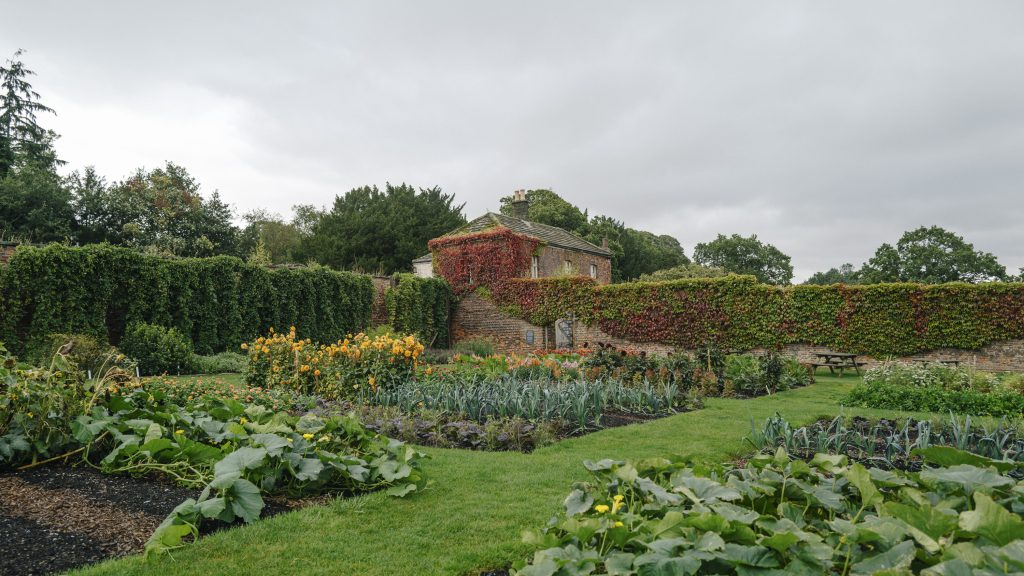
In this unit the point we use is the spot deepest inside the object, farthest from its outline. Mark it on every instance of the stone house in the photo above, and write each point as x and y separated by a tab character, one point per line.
561	253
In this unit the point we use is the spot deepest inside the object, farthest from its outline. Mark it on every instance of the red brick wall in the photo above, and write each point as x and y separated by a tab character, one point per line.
379	315
477	319
552	263
6	251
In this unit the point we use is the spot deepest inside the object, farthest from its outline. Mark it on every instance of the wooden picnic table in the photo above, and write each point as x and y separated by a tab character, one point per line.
837	361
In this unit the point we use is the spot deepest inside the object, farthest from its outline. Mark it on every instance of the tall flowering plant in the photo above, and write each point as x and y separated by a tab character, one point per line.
332	370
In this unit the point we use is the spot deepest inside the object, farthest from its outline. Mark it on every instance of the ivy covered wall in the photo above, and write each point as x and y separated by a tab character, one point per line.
219	302
737	312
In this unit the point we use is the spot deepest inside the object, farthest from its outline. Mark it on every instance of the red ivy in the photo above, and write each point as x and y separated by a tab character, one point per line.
483	259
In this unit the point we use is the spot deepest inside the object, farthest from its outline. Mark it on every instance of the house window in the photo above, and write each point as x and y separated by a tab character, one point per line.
535	267
593	271
568	267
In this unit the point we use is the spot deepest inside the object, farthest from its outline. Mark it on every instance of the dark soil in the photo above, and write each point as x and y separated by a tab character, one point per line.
30	547
55	518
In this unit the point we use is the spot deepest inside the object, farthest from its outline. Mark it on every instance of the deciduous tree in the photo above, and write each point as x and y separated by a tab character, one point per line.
742	255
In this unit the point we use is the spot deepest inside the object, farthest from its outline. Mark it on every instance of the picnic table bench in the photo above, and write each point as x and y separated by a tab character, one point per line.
837	361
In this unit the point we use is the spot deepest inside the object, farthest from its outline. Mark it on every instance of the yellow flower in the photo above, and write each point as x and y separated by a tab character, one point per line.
617	503
179	432
601	508
316	372
245	346
29	414
307	436
242	420
618	523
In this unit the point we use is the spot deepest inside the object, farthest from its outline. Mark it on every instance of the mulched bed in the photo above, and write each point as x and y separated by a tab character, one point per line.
54	518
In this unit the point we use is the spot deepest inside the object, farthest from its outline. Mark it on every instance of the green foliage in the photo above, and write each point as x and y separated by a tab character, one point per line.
580	404
37	407
741	255
892	444
776	515
157	349
420	306
88	353
22	139
160	211
222	363
239	453
549	208
682	272
217	302
739	313
380	231
475	347
938	388
932	256
280	239
845	274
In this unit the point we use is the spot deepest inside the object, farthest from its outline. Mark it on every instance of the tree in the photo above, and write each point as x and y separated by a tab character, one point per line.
845	274
682	272
932	255
280	239
22	139
159	210
34	203
379	231
35	206
549	208
742	255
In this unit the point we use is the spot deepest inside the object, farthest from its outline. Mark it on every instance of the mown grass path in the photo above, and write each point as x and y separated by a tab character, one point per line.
473	514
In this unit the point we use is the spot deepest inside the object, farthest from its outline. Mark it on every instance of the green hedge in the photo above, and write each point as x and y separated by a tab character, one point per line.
218	302
421	306
737	312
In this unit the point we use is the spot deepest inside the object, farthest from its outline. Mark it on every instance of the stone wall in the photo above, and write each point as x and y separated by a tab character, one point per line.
552	263
476	318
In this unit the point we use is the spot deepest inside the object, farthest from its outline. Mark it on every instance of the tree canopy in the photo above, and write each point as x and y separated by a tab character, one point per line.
742	255
380	230
932	255
682	272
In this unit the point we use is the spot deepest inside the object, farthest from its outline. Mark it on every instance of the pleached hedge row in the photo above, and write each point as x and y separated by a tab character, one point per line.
420	306
737	312
219	302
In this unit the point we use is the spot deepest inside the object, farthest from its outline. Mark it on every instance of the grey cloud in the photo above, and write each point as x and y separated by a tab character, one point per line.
825	128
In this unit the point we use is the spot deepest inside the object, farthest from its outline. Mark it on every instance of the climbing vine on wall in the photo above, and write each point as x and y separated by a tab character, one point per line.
218	302
737	312
469	261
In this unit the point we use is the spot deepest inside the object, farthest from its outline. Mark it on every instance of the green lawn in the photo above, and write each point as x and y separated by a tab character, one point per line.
472	516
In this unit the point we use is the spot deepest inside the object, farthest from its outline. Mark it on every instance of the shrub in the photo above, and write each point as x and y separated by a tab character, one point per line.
157	349
223	363
938	388
88	353
37	408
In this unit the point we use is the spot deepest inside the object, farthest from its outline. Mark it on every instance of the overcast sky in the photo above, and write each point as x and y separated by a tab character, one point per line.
826	128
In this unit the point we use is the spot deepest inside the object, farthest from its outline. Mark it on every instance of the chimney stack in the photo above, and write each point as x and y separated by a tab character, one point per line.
520	205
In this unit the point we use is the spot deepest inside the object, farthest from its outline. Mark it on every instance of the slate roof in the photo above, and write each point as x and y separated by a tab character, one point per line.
551	235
